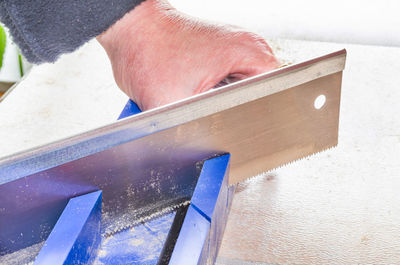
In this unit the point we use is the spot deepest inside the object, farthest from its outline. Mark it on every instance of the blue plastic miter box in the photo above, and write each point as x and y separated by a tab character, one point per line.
188	234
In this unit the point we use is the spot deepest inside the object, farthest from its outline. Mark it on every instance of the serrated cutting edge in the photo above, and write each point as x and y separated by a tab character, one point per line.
307	156
144	219
304	157
291	162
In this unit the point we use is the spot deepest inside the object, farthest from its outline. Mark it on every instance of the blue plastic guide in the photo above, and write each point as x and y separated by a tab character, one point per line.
188	235
130	109
202	230
76	235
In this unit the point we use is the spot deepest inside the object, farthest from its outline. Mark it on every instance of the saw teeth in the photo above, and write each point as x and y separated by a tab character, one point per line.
304	157
169	209
294	161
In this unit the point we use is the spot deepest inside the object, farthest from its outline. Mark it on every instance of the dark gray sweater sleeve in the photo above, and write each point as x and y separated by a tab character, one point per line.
45	29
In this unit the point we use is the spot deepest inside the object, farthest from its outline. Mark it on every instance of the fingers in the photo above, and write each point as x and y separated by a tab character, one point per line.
178	56
250	55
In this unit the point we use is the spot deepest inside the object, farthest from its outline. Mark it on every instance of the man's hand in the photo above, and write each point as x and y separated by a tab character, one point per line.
160	55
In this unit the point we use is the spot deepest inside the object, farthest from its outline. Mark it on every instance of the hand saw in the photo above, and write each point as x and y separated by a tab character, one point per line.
142	163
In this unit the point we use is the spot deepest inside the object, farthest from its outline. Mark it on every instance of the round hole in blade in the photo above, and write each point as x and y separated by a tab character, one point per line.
319	102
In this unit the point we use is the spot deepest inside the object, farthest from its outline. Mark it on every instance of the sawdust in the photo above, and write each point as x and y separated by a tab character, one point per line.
23	256
140	244
101	253
136	242
133	217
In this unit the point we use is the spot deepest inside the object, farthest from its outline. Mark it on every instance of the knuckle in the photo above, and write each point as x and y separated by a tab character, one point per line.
254	41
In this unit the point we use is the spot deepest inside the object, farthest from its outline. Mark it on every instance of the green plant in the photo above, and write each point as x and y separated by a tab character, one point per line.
21	68
2	44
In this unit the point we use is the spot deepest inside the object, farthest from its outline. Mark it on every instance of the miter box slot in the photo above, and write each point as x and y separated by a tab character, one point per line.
211	186
76	236
204	224
190	248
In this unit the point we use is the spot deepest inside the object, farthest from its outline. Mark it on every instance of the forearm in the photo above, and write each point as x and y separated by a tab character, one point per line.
45	29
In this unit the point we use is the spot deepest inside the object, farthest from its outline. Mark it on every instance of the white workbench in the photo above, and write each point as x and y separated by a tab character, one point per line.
340	206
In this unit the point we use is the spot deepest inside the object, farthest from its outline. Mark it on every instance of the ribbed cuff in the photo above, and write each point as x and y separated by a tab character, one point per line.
45	29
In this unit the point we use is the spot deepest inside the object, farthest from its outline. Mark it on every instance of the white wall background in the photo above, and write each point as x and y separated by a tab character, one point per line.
10	72
375	22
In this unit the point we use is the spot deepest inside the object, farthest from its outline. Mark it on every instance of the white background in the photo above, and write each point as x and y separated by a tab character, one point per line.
375	22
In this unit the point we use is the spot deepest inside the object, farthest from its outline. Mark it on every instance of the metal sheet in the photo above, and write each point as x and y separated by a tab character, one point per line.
144	162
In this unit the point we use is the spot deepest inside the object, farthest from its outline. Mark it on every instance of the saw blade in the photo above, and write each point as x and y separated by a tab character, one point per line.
264	122
131	219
